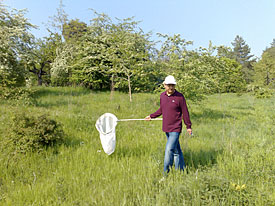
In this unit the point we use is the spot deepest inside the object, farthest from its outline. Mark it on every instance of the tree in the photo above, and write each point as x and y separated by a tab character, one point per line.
228	75
265	69
15	41
57	22
92	67
109	52
73	30
199	72
189	67
61	66
41	56
129	51
38	62
58	66
224	51
241	53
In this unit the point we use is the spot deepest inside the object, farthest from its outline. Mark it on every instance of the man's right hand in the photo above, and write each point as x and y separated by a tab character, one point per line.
189	131
148	118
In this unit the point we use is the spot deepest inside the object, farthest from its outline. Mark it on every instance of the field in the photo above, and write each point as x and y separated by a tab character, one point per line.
230	158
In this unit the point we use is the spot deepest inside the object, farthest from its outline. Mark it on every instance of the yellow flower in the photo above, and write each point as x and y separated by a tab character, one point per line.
243	186
238	187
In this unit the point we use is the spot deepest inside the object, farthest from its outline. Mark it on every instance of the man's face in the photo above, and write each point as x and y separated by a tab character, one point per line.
169	88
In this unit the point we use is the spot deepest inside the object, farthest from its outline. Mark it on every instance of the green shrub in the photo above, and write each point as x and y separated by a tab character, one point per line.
18	94
32	133
260	92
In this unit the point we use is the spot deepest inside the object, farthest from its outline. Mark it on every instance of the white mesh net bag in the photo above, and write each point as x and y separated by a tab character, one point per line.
106	126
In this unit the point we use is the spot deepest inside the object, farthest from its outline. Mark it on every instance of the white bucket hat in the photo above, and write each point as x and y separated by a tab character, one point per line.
170	80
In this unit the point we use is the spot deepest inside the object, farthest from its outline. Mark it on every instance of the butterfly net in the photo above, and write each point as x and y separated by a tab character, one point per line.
106	125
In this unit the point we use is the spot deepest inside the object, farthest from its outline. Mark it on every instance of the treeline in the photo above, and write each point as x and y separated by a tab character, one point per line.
117	54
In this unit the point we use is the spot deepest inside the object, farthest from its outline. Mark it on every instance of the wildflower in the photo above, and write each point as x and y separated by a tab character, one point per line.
162	179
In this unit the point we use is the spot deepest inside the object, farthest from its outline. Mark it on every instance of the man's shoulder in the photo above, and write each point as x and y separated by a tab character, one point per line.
178	94
162	94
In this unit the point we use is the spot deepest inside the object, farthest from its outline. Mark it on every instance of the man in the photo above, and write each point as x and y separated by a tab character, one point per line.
173	109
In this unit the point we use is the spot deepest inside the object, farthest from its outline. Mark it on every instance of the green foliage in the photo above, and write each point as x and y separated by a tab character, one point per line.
32	133
223	51
241	50
229	75
260	92
74	30
176	60
112	53
241	53
11	75
61	66
92	66
18	95
148	80
265	69
9	78
118	55
263	92
199	73
40	58
15	40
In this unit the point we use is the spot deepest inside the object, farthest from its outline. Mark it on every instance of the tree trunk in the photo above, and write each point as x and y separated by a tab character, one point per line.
39	77
112	87
39	81
267	78
129	85
40	73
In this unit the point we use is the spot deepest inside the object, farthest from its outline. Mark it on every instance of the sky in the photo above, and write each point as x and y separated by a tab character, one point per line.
196	20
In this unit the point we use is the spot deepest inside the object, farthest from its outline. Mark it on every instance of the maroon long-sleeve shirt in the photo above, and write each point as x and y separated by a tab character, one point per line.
173	109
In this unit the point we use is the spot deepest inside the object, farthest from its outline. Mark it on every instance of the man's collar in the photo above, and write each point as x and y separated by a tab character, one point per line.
170	94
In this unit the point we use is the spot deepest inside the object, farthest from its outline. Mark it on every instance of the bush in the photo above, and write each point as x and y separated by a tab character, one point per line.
32	133
260	92
18	94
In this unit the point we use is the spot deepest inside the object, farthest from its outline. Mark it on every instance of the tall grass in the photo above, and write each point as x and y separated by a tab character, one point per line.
230	158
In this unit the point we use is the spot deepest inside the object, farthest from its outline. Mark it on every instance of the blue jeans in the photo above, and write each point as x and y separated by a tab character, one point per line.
173	152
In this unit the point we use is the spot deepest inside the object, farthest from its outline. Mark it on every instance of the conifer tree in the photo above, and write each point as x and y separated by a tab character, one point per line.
241	53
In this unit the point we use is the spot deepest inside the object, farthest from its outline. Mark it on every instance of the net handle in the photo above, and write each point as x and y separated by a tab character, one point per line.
125	120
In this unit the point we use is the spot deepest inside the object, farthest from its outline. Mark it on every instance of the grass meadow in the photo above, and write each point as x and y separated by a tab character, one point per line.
230	158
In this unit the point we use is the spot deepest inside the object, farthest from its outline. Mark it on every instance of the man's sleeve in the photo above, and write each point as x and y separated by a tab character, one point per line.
157	113
185	113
